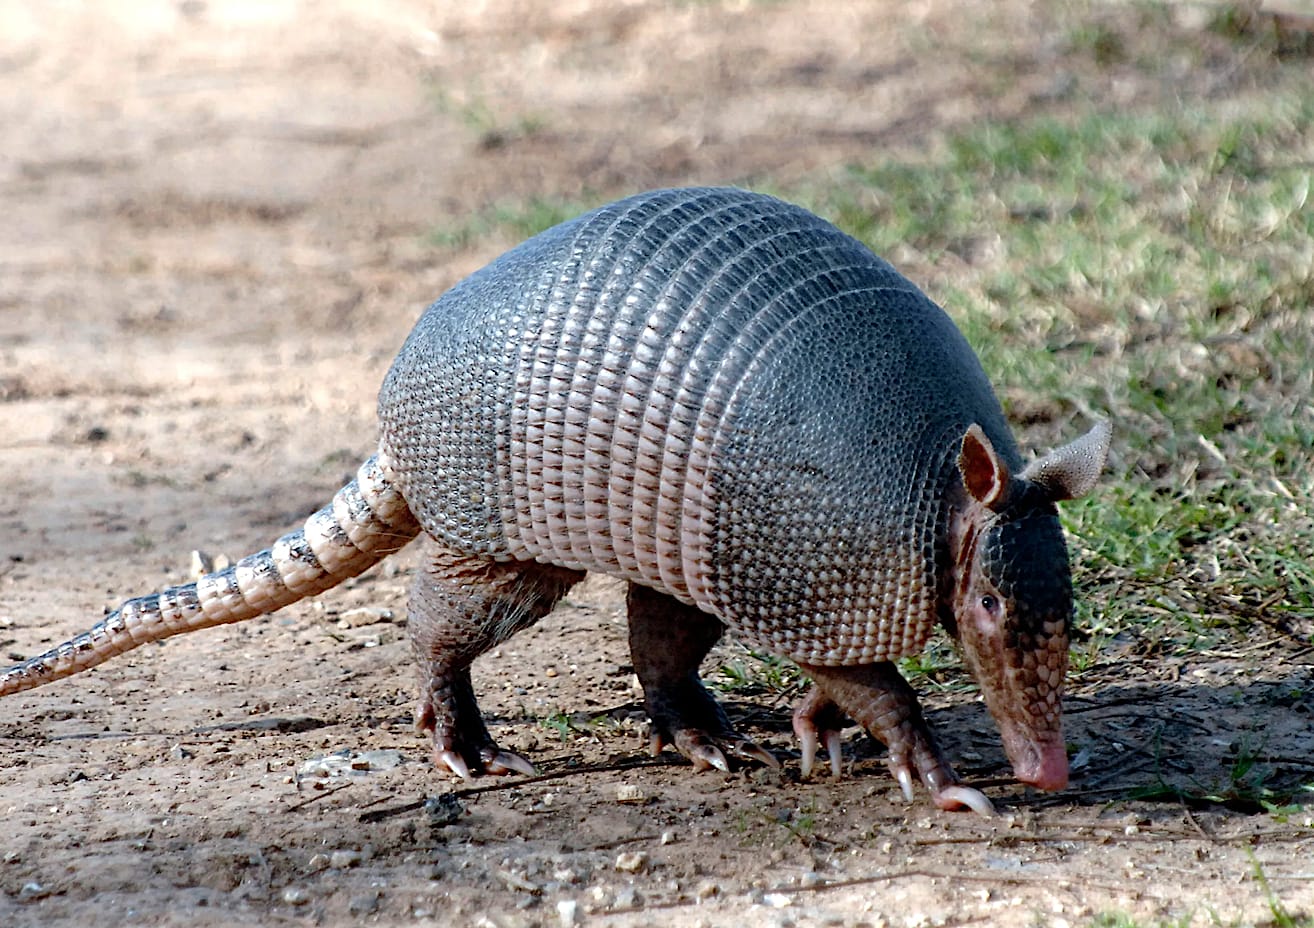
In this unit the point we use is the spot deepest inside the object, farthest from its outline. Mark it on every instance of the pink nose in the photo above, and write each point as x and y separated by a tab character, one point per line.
1046	768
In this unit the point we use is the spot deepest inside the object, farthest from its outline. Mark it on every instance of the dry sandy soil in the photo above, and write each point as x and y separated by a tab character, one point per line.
213	242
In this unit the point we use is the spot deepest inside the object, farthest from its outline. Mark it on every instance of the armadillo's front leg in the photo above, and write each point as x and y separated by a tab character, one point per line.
668	641
881	701
460	607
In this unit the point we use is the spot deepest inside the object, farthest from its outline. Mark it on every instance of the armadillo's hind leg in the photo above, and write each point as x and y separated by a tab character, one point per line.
668	641
460	607
881	701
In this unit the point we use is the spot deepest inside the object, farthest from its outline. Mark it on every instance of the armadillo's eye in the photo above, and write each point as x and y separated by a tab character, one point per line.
989	603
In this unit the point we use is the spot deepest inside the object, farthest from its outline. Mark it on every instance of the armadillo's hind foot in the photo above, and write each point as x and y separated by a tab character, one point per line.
668	641
461	742
881	701
460	607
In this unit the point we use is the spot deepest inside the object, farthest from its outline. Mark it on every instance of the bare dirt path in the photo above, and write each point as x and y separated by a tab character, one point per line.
213	242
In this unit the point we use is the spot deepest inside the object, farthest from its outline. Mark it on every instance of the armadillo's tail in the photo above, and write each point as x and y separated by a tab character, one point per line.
367	520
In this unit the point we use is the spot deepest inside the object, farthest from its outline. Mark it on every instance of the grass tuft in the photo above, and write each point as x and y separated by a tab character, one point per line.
1156	269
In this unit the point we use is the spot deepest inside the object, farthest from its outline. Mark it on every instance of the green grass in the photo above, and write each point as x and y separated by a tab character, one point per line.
756	673
513	220
1156	269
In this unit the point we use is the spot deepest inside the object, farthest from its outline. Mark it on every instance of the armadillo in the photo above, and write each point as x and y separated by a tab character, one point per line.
748	416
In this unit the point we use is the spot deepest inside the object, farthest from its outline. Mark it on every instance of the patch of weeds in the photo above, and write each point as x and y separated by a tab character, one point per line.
569	726
1298	810
1155	269
513	221
937	666
1103	44
491	128
779	827
756	673
801	823
1281	33
1250	787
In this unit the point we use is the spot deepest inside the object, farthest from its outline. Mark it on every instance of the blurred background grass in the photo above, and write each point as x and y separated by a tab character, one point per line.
1153	264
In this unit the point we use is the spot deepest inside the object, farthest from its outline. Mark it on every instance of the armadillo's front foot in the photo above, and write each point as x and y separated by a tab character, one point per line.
686	717
668	641
880	700
461	743
817	721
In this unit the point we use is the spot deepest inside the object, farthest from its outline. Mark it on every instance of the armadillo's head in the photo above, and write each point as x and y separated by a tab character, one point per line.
1012	592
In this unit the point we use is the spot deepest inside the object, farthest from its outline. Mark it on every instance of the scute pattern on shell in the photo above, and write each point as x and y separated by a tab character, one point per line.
709	392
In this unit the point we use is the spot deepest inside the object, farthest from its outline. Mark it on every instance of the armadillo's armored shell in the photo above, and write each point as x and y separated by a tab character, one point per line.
709	392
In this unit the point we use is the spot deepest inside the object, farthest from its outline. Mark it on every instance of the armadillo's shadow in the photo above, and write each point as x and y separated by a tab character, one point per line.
1225	734
1238	737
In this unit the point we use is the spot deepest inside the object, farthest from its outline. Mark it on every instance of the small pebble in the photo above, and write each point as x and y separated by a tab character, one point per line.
363	616
201	565
668	837
631	861
516	881
342	859
628	792
364	905
706	890
32	891
295	895
568	913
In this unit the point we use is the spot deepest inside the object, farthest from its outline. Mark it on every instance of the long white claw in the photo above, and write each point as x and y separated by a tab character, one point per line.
974	799
750	751
834	750
807	743
709	755
904	776
506	762
453	762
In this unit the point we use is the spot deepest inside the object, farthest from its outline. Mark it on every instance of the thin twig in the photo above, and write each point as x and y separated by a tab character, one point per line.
316	798
665	760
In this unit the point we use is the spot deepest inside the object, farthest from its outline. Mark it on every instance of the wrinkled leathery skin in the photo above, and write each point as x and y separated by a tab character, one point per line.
668	641
881	701
460	606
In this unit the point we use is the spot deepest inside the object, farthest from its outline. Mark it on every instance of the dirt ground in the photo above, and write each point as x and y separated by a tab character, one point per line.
213	242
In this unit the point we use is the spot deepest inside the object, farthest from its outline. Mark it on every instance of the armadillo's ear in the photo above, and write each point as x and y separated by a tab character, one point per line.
985	476
1071	471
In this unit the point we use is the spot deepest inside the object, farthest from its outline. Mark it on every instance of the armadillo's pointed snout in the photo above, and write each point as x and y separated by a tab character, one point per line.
1044	767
